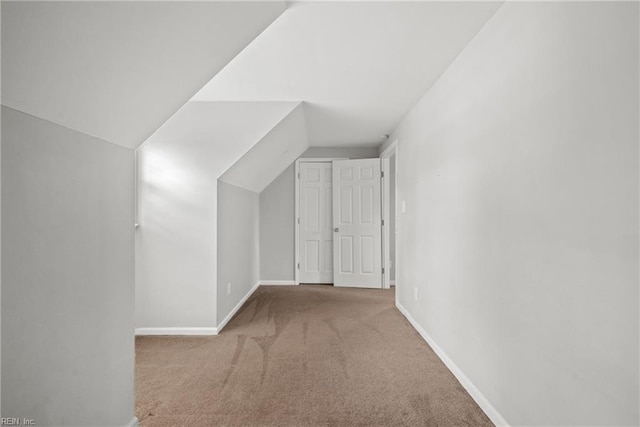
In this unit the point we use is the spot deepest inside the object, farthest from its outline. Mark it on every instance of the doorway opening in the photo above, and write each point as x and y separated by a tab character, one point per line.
389	160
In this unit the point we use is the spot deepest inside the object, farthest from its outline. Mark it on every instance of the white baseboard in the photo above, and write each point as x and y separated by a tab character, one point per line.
133	423
277	282
237	307
473	391
197	330
176	331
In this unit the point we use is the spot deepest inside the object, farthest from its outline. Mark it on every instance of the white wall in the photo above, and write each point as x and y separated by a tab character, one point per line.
519	169
176	249
67	278
277	226
346	152
238	245
176	241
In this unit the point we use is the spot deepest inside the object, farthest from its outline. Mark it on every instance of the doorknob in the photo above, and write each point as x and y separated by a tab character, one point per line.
336	229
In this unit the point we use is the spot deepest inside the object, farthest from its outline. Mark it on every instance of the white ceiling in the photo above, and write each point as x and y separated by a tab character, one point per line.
217	133
358	66
118	70
271	155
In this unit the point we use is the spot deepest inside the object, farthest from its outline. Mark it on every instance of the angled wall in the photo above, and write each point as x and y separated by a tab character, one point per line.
277	216
176	242
67	277
239	224
518	250
238	244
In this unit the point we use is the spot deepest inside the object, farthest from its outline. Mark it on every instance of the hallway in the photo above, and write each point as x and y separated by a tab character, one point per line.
302	355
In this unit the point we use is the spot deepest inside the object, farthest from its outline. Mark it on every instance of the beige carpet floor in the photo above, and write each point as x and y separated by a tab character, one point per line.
308	355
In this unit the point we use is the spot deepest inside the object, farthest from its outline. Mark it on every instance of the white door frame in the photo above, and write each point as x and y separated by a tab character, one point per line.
386	213
296	218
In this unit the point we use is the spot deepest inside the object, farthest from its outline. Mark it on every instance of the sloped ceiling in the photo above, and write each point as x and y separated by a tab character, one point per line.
216	133
118	70
271	155
358	66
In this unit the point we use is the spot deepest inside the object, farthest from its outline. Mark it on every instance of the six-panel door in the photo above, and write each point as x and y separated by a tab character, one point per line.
357	240
316	235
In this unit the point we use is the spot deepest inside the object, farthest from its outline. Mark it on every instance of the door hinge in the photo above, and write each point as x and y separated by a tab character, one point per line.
298	266
382	174
382	270
298	220
298	175
383	222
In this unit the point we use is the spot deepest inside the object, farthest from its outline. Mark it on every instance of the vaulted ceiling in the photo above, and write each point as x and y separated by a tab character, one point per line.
266	160
186	73
358	66
117	70
218	133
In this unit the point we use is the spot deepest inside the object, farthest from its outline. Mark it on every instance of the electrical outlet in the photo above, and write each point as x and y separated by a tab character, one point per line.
229	288
415	293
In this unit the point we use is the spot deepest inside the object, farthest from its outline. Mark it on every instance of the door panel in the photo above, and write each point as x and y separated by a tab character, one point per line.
312	258
316	220
357	223
346	255
366	204
367	253
346	205
311	210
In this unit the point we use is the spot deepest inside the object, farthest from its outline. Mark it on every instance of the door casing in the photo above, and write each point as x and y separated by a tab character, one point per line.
386	214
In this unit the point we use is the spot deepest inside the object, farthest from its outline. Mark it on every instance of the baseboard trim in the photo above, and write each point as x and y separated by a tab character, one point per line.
473	391
237	307
176	331
197	331
277	282
133	423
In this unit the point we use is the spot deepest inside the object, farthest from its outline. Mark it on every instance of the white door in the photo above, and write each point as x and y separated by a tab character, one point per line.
316	235
357	243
